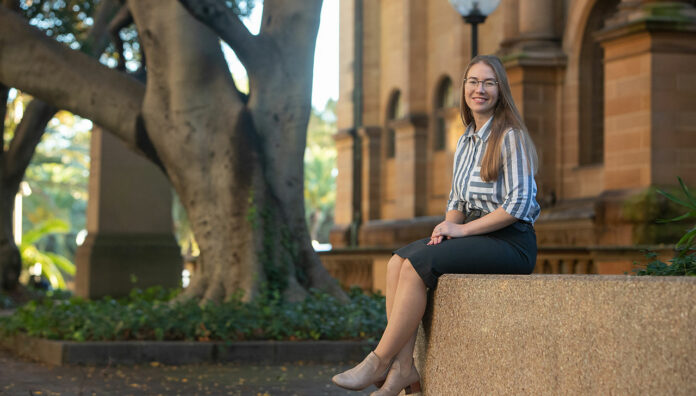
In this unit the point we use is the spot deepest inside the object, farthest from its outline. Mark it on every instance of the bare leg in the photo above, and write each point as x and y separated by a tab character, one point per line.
393	272
405	355
406	312
405	306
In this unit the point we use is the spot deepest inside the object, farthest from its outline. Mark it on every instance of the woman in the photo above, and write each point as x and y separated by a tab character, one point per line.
487	228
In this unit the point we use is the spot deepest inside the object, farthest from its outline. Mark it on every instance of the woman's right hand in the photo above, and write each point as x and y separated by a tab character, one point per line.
437	235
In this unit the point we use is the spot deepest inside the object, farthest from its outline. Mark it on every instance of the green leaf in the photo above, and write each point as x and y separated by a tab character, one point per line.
63	263
678	218
686	191
676	200
53	226
687	240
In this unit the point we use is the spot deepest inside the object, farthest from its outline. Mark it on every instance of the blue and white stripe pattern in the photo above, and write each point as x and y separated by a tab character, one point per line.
515	190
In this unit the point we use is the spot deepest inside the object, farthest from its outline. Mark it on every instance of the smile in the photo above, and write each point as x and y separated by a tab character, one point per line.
479	100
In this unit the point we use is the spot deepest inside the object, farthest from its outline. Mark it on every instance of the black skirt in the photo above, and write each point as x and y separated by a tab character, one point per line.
510	250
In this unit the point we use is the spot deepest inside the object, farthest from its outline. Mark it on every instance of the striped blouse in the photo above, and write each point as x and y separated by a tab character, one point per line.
515	190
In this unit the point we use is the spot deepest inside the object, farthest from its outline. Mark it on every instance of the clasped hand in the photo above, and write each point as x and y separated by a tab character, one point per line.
445	230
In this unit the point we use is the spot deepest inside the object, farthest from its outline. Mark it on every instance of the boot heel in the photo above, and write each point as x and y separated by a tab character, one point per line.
413	388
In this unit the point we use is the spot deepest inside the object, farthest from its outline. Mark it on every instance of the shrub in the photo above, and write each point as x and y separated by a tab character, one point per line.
684	262
152	315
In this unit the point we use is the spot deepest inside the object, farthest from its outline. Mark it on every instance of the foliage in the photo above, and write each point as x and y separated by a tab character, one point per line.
684	263
689	202
151	315
54	209
320	172
5	301
182	229
52	265
66	20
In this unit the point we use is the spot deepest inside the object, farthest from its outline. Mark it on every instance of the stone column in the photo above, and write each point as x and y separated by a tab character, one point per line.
650	137
411	166
371	139
536	24
347	190
130	241
511	27
535	65
649	126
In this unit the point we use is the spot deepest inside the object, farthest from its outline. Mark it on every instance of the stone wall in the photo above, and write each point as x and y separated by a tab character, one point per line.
558	335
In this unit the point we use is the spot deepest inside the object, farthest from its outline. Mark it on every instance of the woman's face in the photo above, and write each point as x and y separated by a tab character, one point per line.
481	90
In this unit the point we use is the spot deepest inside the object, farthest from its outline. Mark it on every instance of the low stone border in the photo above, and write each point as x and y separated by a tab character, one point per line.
183	352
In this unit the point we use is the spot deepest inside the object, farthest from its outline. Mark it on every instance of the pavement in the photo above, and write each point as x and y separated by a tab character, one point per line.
19	376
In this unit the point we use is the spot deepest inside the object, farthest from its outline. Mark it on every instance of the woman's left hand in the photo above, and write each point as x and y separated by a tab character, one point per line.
445	230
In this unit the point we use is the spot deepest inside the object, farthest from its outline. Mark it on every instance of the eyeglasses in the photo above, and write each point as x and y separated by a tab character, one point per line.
473	83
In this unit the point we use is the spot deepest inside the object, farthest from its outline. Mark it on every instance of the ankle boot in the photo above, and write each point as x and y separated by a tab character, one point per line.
400	378
363	375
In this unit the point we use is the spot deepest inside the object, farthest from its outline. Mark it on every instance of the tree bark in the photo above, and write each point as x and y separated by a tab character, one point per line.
237	167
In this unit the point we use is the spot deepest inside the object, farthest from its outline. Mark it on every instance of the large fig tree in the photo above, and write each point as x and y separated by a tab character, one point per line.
235	160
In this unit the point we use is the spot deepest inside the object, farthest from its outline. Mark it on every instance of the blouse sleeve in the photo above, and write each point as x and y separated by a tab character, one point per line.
453	202
517	176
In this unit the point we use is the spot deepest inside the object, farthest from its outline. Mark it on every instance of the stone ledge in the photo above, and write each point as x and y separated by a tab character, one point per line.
101	353
559	334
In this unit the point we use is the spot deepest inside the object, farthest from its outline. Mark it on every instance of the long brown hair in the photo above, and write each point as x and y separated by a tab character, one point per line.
505	117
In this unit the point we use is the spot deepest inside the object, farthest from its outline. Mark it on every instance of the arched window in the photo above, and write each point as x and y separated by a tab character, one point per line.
444	99
395	112
591	87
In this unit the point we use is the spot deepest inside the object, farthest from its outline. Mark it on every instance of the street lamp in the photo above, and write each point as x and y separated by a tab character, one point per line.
474	12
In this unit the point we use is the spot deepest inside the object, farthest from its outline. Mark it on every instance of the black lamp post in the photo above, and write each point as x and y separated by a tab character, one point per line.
474	12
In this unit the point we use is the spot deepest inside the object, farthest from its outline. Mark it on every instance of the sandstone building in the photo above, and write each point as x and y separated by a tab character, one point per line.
607	89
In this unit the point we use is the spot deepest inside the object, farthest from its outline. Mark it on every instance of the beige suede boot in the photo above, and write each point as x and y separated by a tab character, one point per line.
371	370
399	379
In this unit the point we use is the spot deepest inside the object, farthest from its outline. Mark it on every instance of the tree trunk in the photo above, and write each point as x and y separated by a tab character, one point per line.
10	261
237	167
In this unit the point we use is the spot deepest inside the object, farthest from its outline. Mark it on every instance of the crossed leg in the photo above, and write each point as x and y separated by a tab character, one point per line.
406	300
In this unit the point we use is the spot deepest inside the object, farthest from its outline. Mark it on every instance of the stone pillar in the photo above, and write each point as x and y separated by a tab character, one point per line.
535	65
649	126
650	91
411	166
347	146
130	241
371	141
511	27
536	24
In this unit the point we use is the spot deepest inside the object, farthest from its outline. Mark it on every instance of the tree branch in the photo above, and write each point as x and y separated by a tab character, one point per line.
225	23
26	137
98	39
38	113
122	19
67	79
